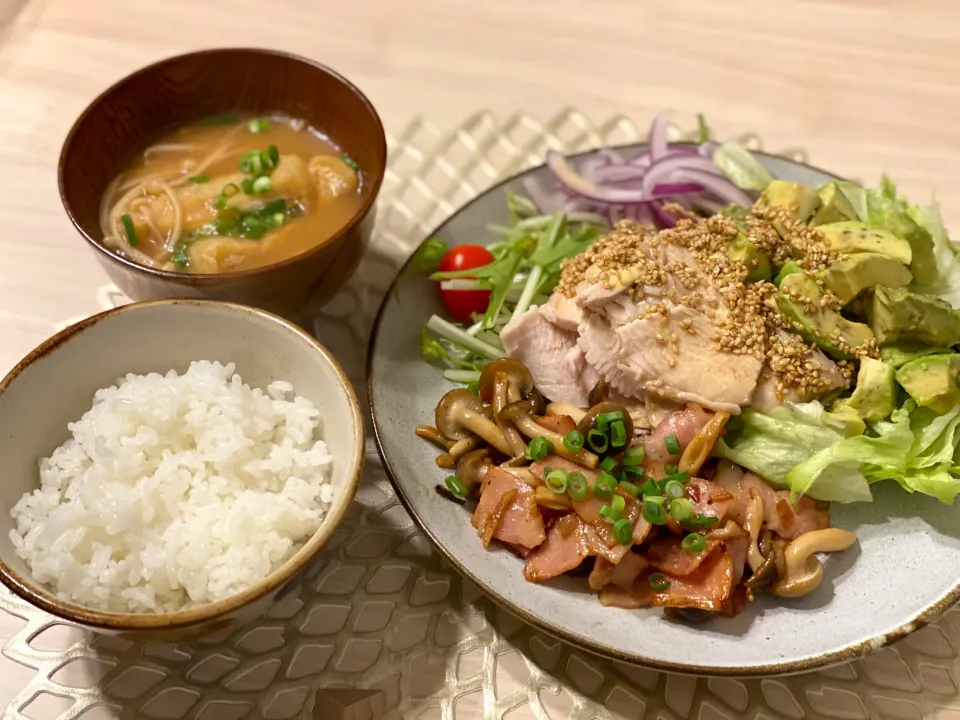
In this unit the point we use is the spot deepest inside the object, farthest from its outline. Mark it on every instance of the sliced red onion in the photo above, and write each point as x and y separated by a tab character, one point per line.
663	171
658	136
718	186
618	173
592	191
611	157
611	184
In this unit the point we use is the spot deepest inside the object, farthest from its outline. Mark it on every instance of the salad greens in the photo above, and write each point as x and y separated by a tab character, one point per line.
834	455
810	451
526	268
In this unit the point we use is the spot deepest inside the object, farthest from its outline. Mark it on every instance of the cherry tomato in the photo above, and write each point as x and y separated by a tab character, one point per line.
463	303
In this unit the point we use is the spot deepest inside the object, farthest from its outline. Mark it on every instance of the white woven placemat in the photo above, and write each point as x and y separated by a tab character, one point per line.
382	611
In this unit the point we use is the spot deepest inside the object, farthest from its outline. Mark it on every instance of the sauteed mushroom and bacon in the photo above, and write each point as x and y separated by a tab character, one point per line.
646	513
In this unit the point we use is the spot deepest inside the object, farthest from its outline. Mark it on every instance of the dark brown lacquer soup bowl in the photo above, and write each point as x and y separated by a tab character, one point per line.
186	89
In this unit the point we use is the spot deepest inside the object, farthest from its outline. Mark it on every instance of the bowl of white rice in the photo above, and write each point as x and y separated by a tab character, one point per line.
171	466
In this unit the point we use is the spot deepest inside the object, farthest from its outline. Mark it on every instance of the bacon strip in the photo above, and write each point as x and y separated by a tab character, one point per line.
668	556
638	595
685	424
622	574
562	553
707	589
518	521
709	498
786	520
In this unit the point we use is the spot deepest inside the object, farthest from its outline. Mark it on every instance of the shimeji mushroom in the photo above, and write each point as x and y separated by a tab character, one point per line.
499	380
804	571
571	411
699	449
460	413
520	413
472	468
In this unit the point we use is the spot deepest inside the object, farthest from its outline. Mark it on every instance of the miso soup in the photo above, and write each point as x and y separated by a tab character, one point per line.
228	194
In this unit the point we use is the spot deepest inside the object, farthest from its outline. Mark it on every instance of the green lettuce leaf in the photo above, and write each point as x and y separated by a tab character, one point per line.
810	451
833	473
947	286
772	445
743	169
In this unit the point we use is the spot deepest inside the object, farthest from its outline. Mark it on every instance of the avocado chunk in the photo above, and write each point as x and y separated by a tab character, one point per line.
901	353
756	261
923	265
932	381
875	395
848	277
835	206
799	300
789	268
801	202
853	423
856	237
897	314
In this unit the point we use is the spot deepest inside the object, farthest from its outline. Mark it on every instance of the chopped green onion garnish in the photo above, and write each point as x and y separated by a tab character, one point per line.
672	444
651	488
653	510
618	434
577	487
556	481
349	162
701	520
456	488
679	477
604	419
274	155
659	582
617	504
276	220
179	256
199	179
608	464
253	227
573	440
598	441
629	488
538	449
633	455
229	190
129	229
623	531
635	471
258	126
247	186
271	208
681	509
608	514
694	542
262	184
251	162
671	469
673	489
604	486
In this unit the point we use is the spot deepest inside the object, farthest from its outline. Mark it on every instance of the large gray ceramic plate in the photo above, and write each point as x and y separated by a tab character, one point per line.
904	572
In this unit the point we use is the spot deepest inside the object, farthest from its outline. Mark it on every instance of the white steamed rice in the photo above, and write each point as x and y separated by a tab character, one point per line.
174	491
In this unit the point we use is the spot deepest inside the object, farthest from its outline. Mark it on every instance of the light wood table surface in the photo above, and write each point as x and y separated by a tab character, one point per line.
865	86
